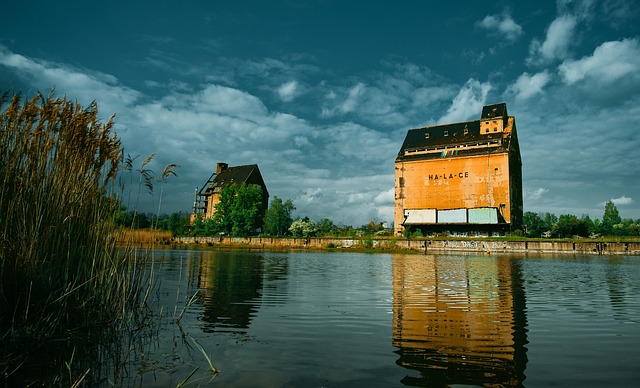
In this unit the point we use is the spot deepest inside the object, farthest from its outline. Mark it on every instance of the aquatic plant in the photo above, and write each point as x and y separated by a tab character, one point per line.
61	274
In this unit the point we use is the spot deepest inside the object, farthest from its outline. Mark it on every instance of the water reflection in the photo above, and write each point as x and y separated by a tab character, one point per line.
459	320
231	284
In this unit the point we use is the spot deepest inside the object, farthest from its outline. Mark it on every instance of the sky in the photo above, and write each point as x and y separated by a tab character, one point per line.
321	93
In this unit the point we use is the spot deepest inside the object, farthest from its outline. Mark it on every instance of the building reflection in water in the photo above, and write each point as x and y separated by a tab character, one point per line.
459	320
230	284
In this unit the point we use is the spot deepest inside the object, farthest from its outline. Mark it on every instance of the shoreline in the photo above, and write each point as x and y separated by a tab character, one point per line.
424	246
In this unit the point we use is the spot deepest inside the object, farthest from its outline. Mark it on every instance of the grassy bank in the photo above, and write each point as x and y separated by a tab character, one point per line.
64	286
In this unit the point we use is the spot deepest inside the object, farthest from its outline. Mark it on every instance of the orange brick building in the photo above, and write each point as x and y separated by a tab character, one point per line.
462	177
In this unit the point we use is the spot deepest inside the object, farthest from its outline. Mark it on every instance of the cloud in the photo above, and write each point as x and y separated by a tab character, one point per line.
560	37
502	24
340	102
536	194
44	75
399	95
469	102
351	102
621	201
288	91
611	61
617	12
529	85
581	9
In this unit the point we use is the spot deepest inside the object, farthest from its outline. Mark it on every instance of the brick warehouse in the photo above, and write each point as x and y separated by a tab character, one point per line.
460	178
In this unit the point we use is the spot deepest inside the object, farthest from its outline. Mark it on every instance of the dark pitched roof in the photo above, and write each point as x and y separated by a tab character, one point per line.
234	175
249	174
456	139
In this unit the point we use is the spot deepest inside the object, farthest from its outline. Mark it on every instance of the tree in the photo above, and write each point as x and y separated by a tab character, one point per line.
610	218
325	226
247	214
239	212
223	209
174	224
198	225
278	219
534	224
549	221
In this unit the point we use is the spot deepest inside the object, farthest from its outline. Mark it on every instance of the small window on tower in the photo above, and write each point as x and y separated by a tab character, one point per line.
446	133
426	135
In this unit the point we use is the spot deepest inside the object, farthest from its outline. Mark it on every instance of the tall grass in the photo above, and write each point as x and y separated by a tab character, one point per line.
60	271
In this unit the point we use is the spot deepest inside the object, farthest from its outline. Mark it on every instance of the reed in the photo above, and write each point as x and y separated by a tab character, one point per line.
142	237
61	273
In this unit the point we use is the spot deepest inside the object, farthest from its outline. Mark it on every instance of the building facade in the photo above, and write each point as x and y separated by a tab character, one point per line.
209	195
462	177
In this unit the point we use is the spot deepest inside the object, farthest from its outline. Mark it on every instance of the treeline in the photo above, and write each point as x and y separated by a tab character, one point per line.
567	225
240	213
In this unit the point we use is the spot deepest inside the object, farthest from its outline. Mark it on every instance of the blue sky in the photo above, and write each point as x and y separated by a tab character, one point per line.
320	94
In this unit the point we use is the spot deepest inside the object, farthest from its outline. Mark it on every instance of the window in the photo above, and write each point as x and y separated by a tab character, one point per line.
495	129
426	135
466	131
446	133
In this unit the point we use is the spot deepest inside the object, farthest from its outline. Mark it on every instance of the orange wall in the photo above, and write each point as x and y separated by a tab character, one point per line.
453	183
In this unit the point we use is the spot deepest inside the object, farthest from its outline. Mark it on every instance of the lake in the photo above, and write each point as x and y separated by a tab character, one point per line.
313	319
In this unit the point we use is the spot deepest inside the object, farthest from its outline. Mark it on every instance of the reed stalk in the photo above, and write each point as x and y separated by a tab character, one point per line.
61	273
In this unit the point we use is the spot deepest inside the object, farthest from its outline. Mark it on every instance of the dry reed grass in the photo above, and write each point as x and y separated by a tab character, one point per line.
142	237
60	271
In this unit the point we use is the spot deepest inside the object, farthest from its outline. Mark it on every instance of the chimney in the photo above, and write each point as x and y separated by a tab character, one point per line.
221	167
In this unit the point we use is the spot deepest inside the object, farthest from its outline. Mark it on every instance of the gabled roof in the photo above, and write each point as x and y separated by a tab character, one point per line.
457	139
248	174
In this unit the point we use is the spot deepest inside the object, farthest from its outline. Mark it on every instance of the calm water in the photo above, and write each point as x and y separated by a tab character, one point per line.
357	320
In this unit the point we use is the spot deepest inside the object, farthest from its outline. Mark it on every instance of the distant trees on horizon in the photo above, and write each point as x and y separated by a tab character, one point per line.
279	222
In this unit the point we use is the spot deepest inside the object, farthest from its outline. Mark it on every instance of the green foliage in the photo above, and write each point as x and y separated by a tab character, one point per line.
367	242
569	225
198	225
325	227
278	219
240	211
534	224
178	223
517	233
610	219
247	212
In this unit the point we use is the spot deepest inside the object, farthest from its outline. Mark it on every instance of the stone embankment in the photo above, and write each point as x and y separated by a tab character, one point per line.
421	245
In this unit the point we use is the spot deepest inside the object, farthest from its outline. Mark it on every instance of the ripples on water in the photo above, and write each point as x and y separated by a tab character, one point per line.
339	319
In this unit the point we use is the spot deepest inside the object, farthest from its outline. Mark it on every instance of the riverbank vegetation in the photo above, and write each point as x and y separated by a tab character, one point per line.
66	289
278	222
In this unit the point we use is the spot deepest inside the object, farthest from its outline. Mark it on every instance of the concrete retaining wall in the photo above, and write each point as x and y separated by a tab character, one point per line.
441	246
